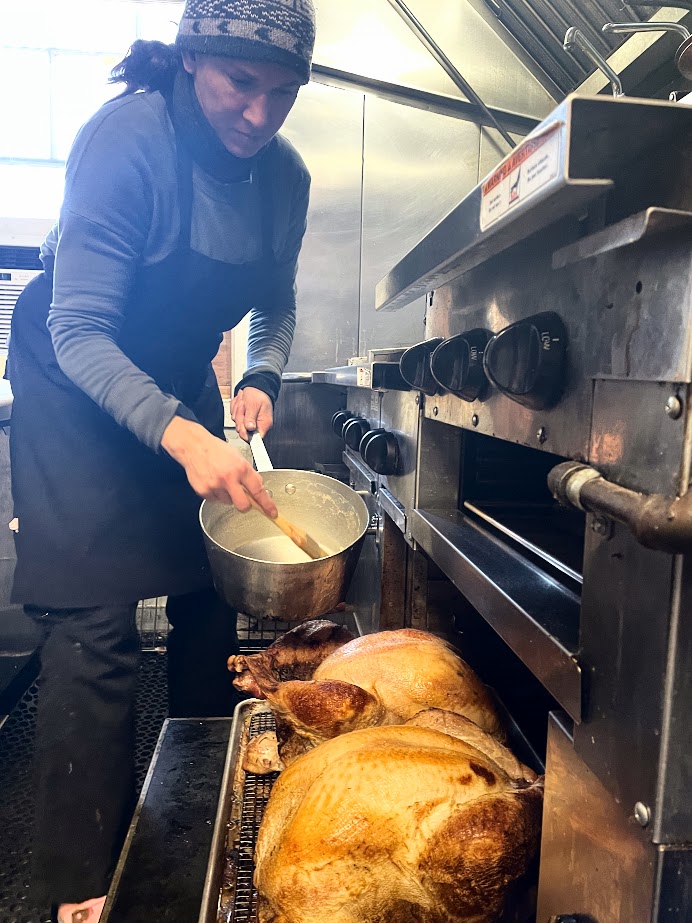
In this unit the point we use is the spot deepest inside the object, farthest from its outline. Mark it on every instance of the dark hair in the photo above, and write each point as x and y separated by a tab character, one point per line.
147	66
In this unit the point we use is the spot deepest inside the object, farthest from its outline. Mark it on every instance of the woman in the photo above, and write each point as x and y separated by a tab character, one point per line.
182	212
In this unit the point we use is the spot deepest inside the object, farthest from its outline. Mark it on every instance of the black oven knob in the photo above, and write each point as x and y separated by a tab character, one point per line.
366	439
457	364
527	360
340	419
414	366
354	430
381	453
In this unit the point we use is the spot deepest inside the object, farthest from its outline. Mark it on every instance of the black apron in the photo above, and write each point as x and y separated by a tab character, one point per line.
102	518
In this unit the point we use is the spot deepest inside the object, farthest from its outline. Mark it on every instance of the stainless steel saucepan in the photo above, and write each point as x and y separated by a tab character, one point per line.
260	571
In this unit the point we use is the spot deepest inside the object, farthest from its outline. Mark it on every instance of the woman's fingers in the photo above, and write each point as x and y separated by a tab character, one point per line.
252	410
239	497
220	495
238	411
215	470
238	483
254	486
267	504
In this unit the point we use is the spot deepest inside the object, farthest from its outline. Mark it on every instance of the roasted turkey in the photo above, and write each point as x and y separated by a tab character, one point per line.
397	824
464	729
408	671
295	655
373	681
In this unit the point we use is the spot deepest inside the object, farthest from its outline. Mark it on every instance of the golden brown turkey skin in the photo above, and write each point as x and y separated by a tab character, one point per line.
408	671
262	755
397	824
319	711
379	679
464	729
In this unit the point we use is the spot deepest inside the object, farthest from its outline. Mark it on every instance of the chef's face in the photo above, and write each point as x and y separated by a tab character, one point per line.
246	102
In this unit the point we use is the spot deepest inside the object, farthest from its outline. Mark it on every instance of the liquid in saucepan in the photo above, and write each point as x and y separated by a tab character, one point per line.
278	549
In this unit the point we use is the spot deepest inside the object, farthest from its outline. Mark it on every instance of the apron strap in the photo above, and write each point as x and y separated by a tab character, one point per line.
184	171
266	188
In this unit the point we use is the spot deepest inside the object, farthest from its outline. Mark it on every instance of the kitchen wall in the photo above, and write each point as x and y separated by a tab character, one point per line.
418	165
383	175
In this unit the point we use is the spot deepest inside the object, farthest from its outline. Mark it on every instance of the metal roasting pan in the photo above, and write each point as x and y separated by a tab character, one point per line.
229	895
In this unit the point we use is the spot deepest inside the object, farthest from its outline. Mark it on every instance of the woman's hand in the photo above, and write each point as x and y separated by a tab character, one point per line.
252	411
215	470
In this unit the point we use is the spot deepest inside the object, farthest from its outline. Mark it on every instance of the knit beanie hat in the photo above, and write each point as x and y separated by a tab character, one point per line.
277	31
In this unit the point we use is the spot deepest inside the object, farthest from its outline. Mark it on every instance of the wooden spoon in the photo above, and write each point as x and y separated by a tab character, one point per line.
298	536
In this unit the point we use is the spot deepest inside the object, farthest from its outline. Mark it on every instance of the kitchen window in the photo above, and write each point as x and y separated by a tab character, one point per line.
55	59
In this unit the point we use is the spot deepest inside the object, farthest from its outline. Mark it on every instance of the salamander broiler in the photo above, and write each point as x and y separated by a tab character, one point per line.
527	467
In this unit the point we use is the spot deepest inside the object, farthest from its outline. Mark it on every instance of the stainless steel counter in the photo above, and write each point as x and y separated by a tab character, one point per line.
162	869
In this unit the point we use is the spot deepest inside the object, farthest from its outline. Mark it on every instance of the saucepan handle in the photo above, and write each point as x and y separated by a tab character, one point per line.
259	453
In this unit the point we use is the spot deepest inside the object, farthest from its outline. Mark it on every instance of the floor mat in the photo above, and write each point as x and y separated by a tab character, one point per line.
16	801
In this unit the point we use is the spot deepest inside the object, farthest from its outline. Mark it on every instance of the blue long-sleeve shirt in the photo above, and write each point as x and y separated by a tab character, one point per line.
120	211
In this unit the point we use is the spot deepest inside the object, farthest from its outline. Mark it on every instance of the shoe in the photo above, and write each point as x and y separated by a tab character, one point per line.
86	912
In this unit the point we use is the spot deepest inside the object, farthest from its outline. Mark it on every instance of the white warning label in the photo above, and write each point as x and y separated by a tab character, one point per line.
363	377
528	169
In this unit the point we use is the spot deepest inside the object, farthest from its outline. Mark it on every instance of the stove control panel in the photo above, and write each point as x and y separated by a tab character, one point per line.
527	360
378	448
415	366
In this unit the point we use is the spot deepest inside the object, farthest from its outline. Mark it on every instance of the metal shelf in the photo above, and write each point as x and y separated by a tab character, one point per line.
534	614
375	376
559	552
597	140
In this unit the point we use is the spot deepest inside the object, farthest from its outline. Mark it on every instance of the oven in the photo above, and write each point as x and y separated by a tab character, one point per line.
532	473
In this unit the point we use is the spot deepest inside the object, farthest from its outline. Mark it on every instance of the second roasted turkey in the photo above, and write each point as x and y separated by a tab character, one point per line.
430	822
320	684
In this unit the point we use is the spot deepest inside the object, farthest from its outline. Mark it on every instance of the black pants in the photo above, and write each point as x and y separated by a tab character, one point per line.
85	791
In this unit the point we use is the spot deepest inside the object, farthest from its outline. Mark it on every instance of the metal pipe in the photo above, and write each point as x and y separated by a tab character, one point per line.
615	27
657	4
575	38
421	99
658	522
683	58
459	80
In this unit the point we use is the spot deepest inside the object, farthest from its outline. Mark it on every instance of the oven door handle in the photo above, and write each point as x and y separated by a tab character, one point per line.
658	522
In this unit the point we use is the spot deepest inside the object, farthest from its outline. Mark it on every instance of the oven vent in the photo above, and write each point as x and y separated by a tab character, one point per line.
540	26
20	258
12	283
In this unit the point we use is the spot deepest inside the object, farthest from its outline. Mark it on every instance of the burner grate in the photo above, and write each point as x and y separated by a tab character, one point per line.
254	634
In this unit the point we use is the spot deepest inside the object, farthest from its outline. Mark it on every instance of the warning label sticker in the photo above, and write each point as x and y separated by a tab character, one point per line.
363	377
528	169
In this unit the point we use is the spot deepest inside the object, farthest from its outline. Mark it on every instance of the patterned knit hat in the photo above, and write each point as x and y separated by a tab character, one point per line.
278	31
